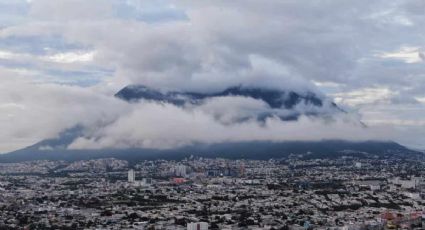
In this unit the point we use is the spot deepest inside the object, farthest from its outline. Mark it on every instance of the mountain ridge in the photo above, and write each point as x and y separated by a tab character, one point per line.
57	148
257	150
274	98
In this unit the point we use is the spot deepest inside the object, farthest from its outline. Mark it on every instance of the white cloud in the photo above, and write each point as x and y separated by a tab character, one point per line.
421	99
7	54
363	96
37	111
154	125
71	57
406	54
62	58
366	54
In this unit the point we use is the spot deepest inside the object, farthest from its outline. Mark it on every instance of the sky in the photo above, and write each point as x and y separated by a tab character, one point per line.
62	61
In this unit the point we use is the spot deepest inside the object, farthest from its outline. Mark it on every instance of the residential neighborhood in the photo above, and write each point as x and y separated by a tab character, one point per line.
201	193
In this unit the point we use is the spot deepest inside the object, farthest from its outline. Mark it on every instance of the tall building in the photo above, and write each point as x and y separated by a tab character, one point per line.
180	170
131	176
242	170
197	226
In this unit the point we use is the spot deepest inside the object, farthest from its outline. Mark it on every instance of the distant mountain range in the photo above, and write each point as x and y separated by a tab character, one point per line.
55	149
236	150
313	105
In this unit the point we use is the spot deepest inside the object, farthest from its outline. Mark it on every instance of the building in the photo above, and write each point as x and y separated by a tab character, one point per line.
179	180
180	170
145	182
197	226
131	176
407	184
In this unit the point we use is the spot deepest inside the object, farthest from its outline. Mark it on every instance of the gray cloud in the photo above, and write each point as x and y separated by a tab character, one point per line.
37	111
66	10
165	126
32	112
367	54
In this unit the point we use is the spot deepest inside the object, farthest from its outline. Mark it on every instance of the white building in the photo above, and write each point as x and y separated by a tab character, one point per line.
413	195
197	226
131	176
180	170
145	182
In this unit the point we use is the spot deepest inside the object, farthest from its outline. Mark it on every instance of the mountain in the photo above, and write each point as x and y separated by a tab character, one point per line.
275	101
293	103
260	150
274	98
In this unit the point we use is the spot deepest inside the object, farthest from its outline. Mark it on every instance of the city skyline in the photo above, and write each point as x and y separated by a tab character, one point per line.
212	114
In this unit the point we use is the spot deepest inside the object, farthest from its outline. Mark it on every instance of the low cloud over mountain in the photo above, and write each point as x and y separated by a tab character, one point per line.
174	119
142	117
205	64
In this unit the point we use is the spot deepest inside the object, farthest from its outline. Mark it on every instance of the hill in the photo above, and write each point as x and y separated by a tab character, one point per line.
235	150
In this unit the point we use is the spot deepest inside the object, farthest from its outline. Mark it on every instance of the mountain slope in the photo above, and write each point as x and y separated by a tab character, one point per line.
261	150
275	100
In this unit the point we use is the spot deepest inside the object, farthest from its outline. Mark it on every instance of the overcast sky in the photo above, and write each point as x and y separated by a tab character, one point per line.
61	62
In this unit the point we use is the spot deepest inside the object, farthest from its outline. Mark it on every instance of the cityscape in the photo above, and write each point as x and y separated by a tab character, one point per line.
212	115
201	193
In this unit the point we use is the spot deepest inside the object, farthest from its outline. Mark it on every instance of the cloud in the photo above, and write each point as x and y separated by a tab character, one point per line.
404	125
153	125
369	55
71	57
422	56
66	10
217	44
32	112
406	54
56	58
364	96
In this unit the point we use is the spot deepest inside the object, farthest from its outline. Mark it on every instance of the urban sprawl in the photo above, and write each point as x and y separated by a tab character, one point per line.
200	193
